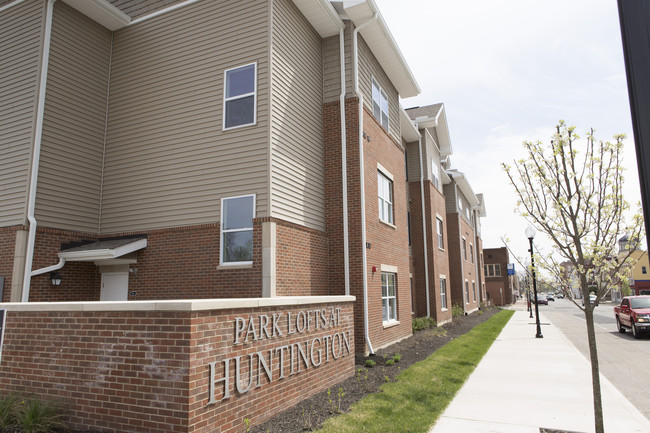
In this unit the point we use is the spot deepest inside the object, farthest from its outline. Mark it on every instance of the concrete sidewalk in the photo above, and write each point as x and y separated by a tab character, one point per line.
525	383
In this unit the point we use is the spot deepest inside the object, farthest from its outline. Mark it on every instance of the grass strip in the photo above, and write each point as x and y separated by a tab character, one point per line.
421	392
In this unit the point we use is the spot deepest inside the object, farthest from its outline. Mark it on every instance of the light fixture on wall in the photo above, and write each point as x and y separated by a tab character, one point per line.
55	277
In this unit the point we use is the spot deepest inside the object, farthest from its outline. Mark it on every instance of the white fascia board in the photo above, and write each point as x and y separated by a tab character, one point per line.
102	12
103	254
443	133
321	15
409	132
466	189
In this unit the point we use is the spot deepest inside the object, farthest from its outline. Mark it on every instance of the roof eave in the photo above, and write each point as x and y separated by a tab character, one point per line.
321	15
102	12
383	45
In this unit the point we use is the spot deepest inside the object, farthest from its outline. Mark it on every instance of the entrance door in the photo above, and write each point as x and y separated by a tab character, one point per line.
115	286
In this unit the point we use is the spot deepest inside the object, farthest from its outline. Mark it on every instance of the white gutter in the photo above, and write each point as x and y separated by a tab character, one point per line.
162	11
36	155
344	165
7	6
460	243
355	54
424	225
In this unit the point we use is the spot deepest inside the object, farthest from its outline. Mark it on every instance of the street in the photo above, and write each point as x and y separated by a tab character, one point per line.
621	357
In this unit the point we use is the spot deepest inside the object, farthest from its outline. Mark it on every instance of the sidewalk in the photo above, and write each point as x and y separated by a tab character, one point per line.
525	383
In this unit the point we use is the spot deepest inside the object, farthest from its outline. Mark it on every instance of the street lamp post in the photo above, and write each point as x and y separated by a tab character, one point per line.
530	234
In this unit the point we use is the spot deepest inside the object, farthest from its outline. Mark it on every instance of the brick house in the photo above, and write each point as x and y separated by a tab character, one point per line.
501	287
154	150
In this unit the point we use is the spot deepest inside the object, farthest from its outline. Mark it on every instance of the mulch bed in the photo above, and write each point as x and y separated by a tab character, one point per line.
310	414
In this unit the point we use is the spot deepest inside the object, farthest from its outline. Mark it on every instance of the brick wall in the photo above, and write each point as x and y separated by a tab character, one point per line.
388	245
493	284
7	249
149	371
302	256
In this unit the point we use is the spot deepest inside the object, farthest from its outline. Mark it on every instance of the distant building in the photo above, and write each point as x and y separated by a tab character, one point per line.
499	285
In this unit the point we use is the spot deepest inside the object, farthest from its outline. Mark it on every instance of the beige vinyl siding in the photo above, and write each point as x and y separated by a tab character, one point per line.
332	66
370	68
20	48
168	161
297	125
413	155
69	182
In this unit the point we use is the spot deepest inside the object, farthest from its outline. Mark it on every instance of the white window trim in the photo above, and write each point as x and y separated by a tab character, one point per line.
245	95
464	247
390	322
444	277
471	252
390	268
372	101
231	265
389	177
442	234
467	291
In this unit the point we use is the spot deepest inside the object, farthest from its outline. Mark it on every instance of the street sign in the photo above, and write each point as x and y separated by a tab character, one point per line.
511	268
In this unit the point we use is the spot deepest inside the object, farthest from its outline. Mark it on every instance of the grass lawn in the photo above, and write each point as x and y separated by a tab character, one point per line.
421	392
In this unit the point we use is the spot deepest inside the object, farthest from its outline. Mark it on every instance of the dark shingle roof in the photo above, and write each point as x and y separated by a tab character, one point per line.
427	110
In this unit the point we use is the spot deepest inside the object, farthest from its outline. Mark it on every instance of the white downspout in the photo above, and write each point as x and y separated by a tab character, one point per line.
36	155
424	224
462	260
344	165
362	183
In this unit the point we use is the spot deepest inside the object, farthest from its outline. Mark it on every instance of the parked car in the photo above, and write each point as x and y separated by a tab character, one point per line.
550	297
560	296
541	299
592	300
633	314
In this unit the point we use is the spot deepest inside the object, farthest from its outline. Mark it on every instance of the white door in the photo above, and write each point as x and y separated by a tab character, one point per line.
115	286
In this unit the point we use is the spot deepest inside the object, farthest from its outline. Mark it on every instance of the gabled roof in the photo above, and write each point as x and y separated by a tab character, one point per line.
383	46
463	184
434	116
409	132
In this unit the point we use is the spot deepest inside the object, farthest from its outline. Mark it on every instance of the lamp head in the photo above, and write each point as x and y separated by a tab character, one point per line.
530	231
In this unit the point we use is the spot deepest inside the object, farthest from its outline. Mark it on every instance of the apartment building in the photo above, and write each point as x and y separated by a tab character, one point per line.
251	149
501	287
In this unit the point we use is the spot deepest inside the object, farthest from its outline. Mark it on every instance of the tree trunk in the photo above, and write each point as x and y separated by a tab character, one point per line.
595	375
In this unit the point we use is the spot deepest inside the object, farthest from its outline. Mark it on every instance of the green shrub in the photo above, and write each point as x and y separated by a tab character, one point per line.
457	310
36	416
397	357
390	362
370	363
8	406
420	323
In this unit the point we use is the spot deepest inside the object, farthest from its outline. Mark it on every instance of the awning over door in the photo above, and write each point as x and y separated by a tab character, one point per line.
101	251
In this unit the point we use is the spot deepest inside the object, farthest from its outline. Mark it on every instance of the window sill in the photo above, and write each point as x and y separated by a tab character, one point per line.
387	223
390	323
244	265
444	309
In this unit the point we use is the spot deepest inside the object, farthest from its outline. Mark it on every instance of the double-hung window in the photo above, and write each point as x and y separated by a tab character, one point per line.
466	292
240	96
492	270
237	215
388	296
441	239
443	293
464	249
379	104
385	191
471	253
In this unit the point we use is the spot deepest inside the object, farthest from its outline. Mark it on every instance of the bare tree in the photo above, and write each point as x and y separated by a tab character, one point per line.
571	190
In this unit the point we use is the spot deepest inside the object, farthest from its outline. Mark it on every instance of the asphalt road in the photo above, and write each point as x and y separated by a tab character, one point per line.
622	359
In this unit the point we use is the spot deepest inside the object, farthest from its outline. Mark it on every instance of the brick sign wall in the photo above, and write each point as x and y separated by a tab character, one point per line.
184	366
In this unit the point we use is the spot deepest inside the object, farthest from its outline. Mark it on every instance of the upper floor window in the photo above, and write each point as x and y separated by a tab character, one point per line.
441	239
385	190
237	215
471	253
492	270
240	96
464	242
435	173
644	270
379	104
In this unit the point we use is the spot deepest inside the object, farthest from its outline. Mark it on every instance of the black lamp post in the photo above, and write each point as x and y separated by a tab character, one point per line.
530	234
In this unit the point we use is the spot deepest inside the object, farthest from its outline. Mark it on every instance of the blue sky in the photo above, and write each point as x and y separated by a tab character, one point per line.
508	71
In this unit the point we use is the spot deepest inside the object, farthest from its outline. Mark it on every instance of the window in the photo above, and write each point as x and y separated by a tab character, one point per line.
237	215
443	293
435	173
441	239
492	270
474	289
239	96
460	205
388	297
466	292
464	249
644	270
385	190
471	253
379	104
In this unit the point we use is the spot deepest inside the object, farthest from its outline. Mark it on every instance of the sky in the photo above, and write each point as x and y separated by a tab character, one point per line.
507	71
